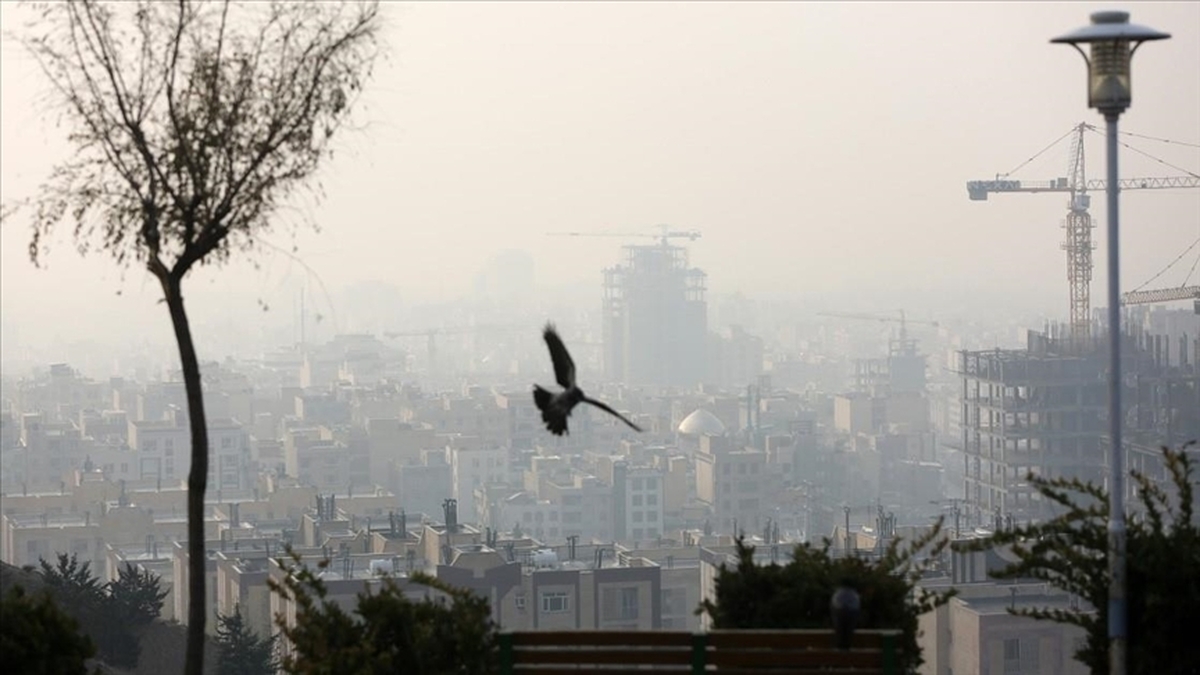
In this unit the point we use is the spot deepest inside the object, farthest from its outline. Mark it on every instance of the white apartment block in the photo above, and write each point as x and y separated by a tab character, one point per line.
473	467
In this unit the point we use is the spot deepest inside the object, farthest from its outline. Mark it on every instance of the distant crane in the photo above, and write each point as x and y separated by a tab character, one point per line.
664	236
431	333
902	320
1181	292
1078	242
1161	295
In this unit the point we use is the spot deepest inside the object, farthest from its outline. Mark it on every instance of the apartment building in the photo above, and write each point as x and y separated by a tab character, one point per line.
638	503
733	481
976	634
539	589
474	465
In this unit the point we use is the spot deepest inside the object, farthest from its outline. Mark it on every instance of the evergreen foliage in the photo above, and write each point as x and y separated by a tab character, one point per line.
240	651
797	595
38	638
136	596
1070	552
448	631
109	614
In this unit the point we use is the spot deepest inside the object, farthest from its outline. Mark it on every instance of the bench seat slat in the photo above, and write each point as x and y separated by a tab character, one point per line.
523	669
788	639
602	638
604	656
797	659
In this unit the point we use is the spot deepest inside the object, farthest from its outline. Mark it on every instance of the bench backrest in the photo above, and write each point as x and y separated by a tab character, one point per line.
794	652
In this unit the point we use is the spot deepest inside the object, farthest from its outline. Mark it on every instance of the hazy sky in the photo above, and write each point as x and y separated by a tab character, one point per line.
821	148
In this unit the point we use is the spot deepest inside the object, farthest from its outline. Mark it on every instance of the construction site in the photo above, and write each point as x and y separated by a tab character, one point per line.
1044	409
655	317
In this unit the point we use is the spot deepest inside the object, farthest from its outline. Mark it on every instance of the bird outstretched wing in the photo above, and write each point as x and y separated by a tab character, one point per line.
564	367
612	412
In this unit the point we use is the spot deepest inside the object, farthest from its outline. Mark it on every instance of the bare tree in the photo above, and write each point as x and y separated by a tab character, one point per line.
191	122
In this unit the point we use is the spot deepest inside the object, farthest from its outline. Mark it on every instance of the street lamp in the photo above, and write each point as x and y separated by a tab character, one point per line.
1113	41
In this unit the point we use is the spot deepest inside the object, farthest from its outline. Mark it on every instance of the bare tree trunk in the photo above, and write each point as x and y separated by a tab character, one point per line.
197	476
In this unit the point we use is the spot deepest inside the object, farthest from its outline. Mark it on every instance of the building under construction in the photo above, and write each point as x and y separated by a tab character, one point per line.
1044	410
655	317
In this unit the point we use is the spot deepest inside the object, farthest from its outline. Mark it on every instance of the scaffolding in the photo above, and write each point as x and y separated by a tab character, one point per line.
1044	411
655	317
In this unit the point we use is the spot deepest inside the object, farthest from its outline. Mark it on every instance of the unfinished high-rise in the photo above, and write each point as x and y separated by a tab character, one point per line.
1044	410
655	317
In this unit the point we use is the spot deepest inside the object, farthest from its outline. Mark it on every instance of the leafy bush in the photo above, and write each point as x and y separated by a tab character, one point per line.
387	631
797	595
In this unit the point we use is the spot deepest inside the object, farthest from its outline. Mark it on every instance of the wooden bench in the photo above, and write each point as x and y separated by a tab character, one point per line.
779	652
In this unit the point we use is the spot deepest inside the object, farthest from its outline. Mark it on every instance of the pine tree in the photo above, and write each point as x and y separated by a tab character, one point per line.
240	651
72	581
136	597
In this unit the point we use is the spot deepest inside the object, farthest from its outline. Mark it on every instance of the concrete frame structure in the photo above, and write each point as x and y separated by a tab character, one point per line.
655	318
1044	410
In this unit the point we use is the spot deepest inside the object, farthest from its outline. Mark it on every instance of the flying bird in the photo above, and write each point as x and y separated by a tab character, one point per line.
556	408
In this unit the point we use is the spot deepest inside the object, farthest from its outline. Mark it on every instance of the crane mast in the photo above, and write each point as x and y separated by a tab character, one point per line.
1077	239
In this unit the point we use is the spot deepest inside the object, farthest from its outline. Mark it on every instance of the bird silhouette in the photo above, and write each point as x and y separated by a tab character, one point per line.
556	408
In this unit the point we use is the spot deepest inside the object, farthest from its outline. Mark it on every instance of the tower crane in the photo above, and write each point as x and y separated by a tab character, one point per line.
1078	240
1163	295
1181	292
902	319
664	236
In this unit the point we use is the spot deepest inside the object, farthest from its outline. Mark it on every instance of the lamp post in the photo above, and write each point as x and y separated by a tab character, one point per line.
1113	41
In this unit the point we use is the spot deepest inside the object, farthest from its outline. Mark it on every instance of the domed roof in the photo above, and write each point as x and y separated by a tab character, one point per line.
701	423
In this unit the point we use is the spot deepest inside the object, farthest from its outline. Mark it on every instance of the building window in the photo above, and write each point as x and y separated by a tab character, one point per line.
520	599
621	604
1020	656
554	602
637	500
674	601
651	500
637	483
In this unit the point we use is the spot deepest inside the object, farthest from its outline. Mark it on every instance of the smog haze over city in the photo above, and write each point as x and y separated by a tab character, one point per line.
750	224
820	148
